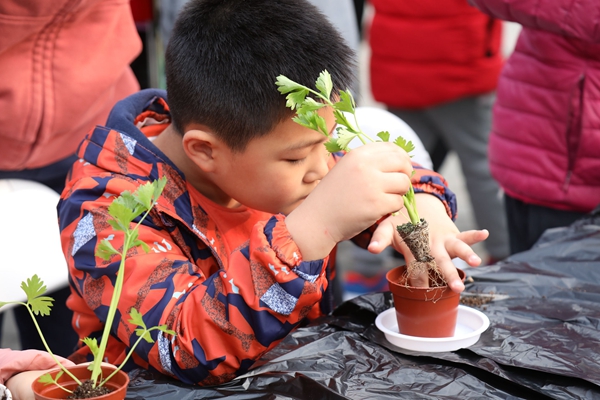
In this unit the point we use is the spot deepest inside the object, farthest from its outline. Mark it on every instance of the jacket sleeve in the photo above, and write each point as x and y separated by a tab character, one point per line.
575	18
225	316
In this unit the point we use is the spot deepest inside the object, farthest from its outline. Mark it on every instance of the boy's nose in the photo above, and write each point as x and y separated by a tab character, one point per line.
319	169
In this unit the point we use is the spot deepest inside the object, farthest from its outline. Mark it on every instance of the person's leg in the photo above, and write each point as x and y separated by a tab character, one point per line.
465	125
438	154
527	222
419	121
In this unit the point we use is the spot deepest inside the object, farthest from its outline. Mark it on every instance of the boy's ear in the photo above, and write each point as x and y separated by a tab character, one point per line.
201	146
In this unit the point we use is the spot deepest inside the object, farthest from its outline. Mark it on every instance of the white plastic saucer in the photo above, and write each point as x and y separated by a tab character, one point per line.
470	324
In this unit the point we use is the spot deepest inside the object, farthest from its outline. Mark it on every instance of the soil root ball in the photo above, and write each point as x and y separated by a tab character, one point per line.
416	238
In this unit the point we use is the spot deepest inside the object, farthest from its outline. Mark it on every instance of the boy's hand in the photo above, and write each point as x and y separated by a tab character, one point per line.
22	368
366	184
447	242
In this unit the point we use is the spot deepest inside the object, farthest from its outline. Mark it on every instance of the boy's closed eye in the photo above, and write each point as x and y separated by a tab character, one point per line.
296	161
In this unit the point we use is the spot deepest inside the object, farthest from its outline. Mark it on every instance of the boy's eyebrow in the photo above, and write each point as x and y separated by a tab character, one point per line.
302	145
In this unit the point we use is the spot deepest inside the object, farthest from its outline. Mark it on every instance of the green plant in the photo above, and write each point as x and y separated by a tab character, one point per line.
123	211
306	102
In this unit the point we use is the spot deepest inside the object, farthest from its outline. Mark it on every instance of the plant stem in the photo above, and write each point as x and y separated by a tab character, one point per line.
129	353
114	301
48	348
411	207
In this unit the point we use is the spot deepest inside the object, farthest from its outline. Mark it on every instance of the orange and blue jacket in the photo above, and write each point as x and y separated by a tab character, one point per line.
230	282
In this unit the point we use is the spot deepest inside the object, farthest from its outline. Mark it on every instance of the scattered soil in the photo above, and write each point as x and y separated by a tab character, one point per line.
87	391
475	301
480	299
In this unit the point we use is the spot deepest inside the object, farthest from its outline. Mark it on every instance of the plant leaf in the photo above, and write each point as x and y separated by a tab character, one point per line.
145	195
159	185
346	102
122	213
324	84
296	99
321	124
340	119
33	287
332	146
136	318
46	379
144	334
307	120
92	344
286	85
105	250
310	104
41	305
344	137
145	247
407	145
163	328
384	135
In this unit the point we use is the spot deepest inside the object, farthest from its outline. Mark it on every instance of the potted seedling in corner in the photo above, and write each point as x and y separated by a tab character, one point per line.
98	380
415	233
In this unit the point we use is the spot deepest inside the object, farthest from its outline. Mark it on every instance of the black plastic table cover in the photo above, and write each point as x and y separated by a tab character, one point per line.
543	341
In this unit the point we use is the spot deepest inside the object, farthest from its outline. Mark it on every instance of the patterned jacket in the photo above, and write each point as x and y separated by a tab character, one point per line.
231	283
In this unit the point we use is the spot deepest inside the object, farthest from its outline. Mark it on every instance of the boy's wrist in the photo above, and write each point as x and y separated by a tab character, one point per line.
313	241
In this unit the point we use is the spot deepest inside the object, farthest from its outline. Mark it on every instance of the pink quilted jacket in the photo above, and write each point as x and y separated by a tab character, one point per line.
545	141
64	64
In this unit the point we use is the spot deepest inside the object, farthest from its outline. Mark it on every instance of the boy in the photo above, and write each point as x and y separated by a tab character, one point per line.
241	236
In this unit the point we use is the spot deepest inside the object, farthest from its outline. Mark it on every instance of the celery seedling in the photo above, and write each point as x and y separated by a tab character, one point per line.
123	211
306	102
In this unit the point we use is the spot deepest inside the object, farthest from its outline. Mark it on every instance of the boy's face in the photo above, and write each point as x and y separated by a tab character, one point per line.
277	171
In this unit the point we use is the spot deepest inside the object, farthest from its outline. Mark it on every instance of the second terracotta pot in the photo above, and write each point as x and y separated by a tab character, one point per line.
423	312
117	384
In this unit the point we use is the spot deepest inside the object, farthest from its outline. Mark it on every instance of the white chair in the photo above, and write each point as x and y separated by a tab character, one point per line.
373	120
29	238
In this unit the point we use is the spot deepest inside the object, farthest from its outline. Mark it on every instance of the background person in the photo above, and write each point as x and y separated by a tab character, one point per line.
545	138
64	63
435	64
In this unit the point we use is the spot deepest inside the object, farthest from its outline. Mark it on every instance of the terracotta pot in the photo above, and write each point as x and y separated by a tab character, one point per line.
423	312
117	384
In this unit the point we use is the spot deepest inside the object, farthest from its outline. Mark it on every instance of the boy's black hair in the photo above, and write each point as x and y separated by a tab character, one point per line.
224	56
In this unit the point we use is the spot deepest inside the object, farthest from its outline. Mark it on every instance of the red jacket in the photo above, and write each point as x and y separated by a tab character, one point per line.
545	141
231	282
64	64
427	52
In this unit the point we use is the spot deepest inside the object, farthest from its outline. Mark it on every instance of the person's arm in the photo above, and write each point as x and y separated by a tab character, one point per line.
365	184
575	18
225	317
19	368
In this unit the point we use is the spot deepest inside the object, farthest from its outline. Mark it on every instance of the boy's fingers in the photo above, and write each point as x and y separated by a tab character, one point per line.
473	236
450	273
460	249
381	239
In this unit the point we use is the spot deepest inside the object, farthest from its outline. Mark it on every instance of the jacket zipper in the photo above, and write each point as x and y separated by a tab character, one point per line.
574	129
488	38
